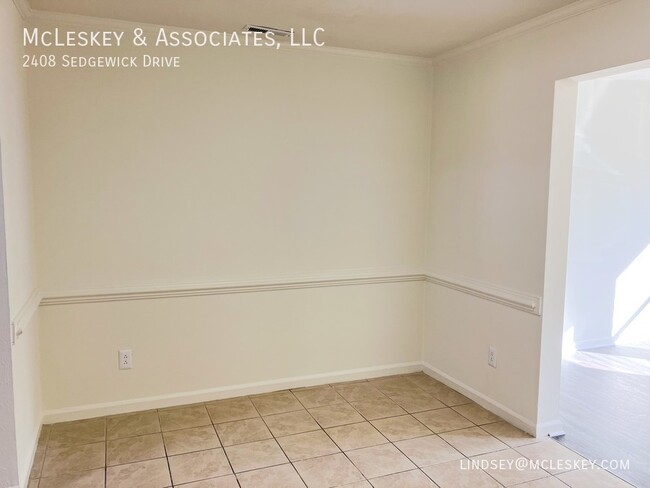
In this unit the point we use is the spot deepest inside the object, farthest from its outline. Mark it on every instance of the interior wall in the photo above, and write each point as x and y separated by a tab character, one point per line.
196	347
8	452
19	234
491	146
608	275
242	165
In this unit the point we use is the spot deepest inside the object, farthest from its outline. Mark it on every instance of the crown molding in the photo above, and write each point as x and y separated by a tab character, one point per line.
84	21
553	17
558	15
24	9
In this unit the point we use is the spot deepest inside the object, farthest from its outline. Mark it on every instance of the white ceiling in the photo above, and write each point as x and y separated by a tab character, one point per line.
413	27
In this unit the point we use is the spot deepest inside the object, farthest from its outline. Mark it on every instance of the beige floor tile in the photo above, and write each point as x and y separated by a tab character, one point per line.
243	431
504	467
131	425
477	414
356	436
77	433
307	445
551	451
378	409
231	410
407	479
318	396
190	440
473	441
183	406
509	434
452	475
549	482
400	428
273	403
328	471
443	420
426	451
283	476
133	449
333	415
184	418
64	460
421	379
416	401
592	478
394	385
357	484
145	474
221	482
86	479
351	382
44	435
382	460
447	395
359	392
196	466
291	423
37	463
255	455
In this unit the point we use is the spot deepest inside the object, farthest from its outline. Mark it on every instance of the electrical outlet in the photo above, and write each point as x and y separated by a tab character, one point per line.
125	359
492	356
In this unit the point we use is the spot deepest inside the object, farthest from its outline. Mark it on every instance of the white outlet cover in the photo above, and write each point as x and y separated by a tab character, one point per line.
492	356
125	359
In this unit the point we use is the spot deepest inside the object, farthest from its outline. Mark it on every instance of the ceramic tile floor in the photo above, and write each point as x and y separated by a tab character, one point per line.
405	431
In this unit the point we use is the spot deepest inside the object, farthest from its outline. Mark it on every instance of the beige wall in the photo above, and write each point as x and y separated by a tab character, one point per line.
196	348
19	224
491	148
150	178
244	165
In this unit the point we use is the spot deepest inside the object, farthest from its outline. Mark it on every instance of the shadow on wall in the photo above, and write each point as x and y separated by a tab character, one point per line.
608	275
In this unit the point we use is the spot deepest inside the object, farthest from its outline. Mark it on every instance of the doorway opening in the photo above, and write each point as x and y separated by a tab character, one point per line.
595	368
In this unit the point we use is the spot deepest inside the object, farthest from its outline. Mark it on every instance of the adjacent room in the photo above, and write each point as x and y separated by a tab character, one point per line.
318	244
606	360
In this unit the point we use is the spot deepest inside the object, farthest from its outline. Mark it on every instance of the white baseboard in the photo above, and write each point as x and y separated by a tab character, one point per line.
486	402
554	428
594	343
25	472
162	401
112	408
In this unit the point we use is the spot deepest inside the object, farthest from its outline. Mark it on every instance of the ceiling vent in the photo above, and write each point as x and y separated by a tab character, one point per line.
263	29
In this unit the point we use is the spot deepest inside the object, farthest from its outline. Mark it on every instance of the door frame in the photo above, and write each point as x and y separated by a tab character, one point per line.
557	244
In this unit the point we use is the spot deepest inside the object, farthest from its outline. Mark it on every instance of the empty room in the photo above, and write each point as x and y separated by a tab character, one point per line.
319	244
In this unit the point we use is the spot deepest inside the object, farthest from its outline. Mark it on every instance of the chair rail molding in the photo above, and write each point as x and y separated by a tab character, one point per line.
514	299
525	302
24	315
228	287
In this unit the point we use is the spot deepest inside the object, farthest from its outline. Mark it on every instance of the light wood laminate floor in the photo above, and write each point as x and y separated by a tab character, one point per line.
605	407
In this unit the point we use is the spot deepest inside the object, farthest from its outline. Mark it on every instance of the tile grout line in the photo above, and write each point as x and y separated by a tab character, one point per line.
343	401
162	435
223	447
